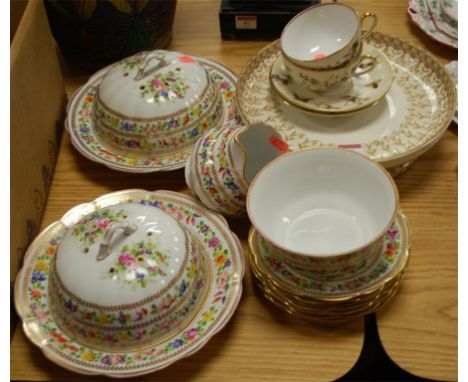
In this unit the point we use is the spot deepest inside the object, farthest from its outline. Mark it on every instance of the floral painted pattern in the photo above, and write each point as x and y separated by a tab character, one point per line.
130	63
139	264
229	181
316	286
165	87
224	292
93	226
157	127
191	281
214	173
145	144
80	125
114	327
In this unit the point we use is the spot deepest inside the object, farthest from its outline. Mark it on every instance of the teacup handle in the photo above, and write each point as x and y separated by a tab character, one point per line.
372	63
366	15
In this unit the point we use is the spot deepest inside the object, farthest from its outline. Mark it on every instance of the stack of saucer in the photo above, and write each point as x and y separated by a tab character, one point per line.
336	245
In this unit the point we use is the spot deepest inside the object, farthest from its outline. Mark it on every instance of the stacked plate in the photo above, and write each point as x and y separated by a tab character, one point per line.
437	18
334	300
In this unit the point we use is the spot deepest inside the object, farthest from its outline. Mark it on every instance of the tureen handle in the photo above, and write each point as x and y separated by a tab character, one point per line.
149	57
113	228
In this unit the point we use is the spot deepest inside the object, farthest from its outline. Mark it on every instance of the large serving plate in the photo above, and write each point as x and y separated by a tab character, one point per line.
433	24
224	261
411	118
80	125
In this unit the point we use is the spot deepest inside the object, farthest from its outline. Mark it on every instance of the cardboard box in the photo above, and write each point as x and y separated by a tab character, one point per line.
37	106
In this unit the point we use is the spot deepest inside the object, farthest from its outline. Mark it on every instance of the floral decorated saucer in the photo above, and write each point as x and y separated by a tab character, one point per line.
221	270
426	15
408	121
354	95
87	139
390	264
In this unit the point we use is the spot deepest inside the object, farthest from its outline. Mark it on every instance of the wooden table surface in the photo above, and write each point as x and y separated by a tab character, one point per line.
418	328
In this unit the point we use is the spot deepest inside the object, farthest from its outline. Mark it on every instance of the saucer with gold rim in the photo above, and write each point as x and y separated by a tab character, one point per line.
354	95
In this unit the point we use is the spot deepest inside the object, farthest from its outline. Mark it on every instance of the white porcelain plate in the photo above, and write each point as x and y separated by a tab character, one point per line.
356	94
225	267
390	263
79	124
411	118
421	15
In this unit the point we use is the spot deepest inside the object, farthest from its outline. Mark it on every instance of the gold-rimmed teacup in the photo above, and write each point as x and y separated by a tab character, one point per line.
325	36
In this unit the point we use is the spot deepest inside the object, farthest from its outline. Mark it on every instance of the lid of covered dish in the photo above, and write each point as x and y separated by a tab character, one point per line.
152	85
122	254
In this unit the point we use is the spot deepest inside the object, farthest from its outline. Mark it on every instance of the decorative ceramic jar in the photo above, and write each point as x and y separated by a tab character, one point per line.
125	277
224	162
155	103
324	211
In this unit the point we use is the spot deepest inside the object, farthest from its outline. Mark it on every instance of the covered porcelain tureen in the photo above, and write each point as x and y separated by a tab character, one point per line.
155	103
124	277
129	283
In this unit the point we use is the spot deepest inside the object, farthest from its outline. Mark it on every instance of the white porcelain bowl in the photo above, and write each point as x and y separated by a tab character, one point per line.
155	103
125	277
319	204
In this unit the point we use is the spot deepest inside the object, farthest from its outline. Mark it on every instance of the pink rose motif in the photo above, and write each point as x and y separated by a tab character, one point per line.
127	260
118	359
213	242
191	333
157	84
85	112
42	315
223	278
103	223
